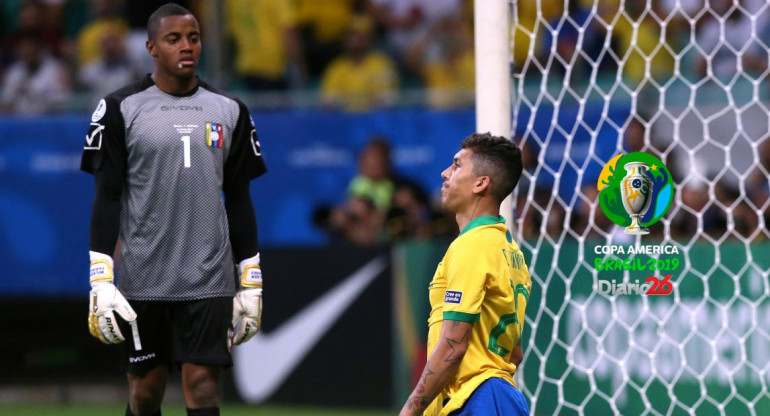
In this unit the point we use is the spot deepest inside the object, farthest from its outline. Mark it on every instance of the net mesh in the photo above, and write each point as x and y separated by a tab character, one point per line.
684	80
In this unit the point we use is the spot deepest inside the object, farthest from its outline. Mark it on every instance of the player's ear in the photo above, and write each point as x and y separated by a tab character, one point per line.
482	185
150	45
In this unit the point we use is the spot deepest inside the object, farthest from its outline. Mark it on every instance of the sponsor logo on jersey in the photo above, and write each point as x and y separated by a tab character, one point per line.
453	296
181	108
214	135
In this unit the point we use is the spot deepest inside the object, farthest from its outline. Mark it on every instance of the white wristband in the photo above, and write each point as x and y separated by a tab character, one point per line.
101	268
251	273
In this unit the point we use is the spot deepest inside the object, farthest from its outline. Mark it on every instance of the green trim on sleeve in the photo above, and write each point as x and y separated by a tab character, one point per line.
461	316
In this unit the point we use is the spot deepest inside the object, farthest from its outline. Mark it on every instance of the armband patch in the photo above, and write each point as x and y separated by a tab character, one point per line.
453	296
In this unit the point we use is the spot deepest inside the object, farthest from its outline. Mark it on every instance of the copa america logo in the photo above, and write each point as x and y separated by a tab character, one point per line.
635	191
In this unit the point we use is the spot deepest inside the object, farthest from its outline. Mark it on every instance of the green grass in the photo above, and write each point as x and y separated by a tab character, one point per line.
178	410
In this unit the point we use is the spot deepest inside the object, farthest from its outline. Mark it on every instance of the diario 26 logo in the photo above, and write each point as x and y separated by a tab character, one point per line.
635	191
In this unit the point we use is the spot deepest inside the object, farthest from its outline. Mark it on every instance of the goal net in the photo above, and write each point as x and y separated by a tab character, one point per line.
686	82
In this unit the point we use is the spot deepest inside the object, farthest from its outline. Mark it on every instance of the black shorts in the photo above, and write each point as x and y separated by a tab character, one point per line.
176	332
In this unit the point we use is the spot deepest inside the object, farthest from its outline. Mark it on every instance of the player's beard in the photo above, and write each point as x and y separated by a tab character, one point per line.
446	200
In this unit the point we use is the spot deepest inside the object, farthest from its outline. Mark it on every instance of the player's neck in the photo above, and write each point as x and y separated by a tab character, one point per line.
172	84
478	208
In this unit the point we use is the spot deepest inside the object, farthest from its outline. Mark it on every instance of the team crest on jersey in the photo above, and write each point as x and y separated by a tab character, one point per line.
453	296
214	135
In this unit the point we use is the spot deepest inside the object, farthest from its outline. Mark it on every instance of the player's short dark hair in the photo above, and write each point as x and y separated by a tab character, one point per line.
168	9
498	158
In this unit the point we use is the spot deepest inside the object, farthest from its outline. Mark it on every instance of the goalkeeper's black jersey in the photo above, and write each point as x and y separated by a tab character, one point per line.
173	155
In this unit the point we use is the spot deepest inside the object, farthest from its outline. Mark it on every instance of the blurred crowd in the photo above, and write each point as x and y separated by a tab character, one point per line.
715	38
355	54
361	54
382	206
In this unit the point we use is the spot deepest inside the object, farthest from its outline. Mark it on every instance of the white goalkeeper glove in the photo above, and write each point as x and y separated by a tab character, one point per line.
247	303
105	299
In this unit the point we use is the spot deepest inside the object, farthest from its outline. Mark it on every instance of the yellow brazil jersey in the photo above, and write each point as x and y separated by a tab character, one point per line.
329	19
259	29
483	279
451	83
638	42
89	40
359	85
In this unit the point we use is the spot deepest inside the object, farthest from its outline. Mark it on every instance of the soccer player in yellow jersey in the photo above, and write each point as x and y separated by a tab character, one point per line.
479	292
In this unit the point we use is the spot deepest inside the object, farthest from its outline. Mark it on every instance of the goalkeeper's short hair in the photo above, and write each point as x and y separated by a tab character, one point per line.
498	158
168	9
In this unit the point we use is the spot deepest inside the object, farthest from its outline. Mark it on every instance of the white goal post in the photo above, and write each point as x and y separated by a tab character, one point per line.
493	76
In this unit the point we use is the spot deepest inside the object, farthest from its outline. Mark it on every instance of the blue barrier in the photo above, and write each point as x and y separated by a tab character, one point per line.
311	156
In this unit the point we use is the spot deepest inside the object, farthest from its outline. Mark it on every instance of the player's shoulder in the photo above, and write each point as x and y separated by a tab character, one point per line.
222	94
481	235
514	245
128	90
470	240
109	107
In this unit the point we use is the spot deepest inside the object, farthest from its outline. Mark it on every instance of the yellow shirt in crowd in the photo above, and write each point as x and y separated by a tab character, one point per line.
258	28
89	40
329	19
450	83
359	86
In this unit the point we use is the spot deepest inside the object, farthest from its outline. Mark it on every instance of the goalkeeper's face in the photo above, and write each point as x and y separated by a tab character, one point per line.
176	46
457	191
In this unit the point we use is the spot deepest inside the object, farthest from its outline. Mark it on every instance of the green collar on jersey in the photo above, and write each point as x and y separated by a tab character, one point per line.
482	220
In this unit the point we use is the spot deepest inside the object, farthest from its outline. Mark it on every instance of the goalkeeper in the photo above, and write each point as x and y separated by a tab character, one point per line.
478	294
163	151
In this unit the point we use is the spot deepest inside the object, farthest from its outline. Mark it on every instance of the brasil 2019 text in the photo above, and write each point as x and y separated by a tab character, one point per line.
635	264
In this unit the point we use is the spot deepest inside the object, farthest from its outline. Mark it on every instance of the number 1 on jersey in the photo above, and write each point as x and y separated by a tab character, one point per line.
186	141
